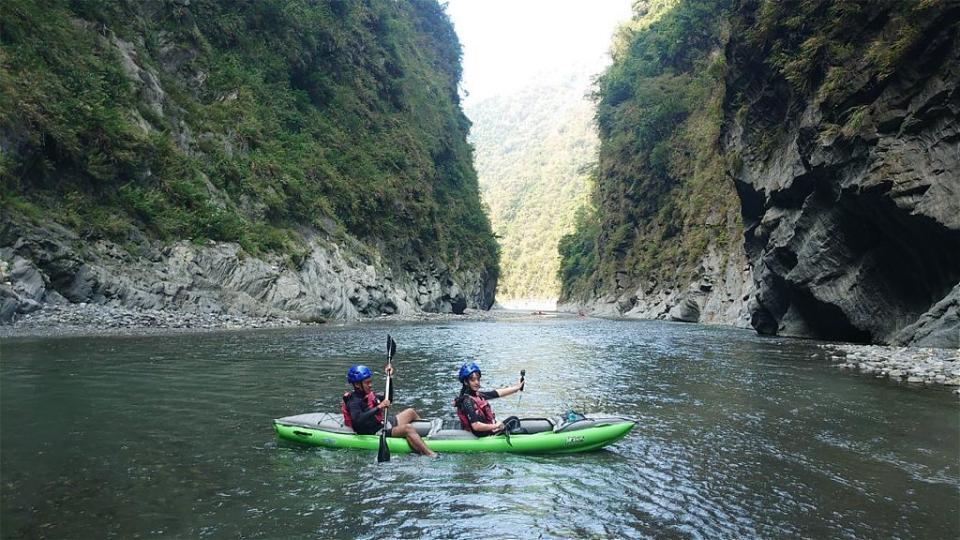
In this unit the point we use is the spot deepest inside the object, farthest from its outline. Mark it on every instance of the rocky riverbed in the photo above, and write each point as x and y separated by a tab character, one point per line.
83	318
93	319
910	365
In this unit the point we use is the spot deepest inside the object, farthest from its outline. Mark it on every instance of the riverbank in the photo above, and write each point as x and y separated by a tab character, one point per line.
92	319
904	365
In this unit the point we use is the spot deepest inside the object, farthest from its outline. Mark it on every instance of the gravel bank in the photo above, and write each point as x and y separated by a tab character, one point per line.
910	365
92	319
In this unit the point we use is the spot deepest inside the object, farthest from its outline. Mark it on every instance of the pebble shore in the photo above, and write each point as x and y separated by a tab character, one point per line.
92	319
918	366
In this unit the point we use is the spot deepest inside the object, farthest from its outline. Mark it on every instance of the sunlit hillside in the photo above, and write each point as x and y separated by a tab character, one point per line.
533	151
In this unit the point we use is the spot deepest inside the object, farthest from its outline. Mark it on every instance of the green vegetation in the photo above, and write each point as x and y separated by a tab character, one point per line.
578	250
242	121
836	56
661	195
534	148
827	50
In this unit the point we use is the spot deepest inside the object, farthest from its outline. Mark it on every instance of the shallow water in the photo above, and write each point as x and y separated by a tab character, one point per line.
738	436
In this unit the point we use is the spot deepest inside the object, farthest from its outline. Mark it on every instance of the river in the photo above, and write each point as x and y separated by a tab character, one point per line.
738	436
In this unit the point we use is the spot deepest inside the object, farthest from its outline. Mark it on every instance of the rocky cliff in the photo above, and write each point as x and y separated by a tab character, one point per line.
835	126
662	237
849	174
43	264
295	159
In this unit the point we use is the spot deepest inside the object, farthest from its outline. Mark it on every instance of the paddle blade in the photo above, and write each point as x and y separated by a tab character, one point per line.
384	453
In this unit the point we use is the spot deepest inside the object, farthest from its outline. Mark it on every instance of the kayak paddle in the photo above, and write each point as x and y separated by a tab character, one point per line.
523	372
384	453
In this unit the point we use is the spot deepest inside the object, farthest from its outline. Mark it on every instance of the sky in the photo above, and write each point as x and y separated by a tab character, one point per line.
508	44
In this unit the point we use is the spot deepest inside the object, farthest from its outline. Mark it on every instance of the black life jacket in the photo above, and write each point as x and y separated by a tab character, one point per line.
371	400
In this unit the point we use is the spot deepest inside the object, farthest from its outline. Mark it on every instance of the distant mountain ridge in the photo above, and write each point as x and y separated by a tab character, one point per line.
533	150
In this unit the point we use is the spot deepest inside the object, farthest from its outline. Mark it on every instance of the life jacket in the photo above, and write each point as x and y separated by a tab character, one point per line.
482	406
371	400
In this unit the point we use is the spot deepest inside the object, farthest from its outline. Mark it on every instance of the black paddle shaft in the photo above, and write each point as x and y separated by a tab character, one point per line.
384	452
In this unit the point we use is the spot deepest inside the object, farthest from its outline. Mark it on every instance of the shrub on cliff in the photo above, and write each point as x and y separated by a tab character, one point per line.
242	121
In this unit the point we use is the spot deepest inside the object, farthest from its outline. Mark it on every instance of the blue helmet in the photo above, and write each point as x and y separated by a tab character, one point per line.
358	373
467	370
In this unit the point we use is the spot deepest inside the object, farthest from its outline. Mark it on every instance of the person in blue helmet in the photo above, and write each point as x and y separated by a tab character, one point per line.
473	410
363	410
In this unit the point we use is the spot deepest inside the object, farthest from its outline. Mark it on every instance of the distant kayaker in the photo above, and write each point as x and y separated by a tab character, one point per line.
363	410
472	408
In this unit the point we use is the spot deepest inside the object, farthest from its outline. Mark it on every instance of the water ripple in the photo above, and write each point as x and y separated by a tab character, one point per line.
737	436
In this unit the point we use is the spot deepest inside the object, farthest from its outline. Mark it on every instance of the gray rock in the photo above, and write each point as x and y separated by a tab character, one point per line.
216	279
938	327
855	238
720	295
686	311
28	280
9	301
28	305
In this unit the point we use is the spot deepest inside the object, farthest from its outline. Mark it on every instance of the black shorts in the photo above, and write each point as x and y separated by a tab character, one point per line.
387	426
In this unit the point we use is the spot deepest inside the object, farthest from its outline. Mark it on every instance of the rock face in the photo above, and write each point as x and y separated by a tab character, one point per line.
355	171
50	264
853	236
719	295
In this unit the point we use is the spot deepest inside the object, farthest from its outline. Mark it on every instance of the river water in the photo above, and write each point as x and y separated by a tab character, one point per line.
738	436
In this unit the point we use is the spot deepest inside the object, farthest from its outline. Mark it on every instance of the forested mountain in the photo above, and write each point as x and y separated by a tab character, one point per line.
275	126
663	201
790	164
533	149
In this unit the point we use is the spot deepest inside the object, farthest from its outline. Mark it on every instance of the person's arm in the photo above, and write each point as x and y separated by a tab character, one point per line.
481	427
506	391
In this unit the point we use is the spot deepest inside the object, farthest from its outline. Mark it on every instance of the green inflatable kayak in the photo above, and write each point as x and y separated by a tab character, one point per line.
535	435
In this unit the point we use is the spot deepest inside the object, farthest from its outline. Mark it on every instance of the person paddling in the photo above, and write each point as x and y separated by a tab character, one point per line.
363	411
472	407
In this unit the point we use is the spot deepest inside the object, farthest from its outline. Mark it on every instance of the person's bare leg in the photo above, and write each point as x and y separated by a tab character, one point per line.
407	416
413	439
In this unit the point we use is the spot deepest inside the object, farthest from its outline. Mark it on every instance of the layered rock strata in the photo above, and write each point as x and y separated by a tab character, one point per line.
853	234
718	294
49	264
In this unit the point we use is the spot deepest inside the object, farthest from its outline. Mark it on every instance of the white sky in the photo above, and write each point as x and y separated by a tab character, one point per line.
507	44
